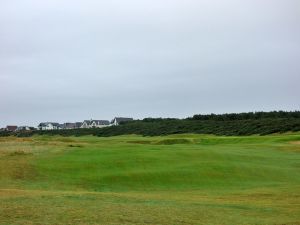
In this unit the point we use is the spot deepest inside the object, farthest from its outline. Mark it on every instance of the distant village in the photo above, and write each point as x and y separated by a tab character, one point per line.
76	125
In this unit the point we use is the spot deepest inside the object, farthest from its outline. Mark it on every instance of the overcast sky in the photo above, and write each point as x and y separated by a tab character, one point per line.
68	60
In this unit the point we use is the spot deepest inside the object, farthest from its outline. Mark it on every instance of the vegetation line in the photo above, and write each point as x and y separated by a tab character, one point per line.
236	124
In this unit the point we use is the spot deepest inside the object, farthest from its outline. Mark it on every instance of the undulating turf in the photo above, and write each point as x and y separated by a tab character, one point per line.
178	179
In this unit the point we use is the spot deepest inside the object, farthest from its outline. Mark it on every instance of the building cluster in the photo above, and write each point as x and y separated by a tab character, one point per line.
76	125
16	128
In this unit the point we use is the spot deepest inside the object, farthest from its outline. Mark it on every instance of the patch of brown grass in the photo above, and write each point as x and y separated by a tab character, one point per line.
293	146
17	166
15	156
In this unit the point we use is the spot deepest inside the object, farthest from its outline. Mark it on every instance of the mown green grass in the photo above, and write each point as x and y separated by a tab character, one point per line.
178	179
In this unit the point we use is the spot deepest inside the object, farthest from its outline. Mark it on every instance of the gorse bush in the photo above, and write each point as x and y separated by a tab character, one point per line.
248	116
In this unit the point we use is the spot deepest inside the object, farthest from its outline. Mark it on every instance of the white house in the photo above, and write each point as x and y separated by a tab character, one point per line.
117	120
95	123
22	128
49	126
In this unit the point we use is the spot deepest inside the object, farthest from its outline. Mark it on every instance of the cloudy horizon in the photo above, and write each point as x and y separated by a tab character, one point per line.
67	61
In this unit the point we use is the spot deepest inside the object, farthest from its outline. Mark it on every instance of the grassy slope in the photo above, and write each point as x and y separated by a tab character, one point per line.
179	179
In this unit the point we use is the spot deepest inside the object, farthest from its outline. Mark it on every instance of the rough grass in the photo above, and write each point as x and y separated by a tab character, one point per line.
179	179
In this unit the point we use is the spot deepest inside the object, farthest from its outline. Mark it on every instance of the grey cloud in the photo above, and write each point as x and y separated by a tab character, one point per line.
72	60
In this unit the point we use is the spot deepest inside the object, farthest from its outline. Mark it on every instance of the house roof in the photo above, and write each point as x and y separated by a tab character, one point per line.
11	128
44	124
78	124
97	122
101	122
69	125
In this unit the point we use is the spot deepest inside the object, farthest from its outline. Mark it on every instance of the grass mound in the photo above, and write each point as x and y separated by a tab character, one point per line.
19	153
140	142
174	141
